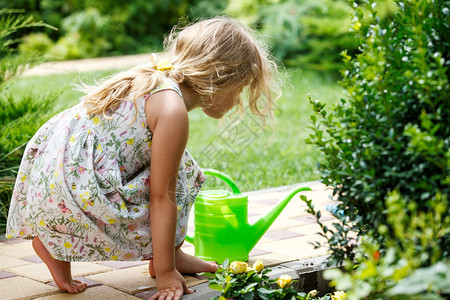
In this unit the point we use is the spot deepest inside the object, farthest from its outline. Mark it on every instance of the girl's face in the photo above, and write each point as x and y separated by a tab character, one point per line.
219	105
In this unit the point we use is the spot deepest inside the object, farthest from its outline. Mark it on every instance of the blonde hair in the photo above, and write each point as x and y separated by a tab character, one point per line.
210	57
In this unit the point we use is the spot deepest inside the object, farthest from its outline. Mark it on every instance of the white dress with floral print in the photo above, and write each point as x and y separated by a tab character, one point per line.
83	185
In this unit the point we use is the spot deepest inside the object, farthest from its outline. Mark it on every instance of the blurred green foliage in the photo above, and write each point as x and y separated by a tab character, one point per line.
16	112
91	28
303	33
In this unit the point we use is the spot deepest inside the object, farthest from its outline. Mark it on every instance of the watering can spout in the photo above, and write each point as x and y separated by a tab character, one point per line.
257	229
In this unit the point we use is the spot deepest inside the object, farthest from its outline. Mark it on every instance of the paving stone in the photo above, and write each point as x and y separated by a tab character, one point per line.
296	247
33	259
192	280
202	292
8	262
257	251
146	295
284	223
122	264
271	259
24	288
4	274
90	283
40	271
17	250
93	293
12	241
282	234
130	280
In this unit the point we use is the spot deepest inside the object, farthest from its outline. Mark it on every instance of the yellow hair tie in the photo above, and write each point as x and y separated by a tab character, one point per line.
164	65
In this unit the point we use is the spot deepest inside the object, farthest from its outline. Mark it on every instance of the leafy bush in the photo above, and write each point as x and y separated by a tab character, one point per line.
387	271
15	112
392	133
306	33
91	28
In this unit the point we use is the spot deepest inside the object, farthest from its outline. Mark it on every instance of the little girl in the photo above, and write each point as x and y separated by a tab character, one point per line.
110	179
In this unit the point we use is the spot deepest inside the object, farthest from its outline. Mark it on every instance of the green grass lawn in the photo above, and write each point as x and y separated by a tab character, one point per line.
255	159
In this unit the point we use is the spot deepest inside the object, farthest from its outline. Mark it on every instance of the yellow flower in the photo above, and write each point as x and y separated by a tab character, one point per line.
42	223
284	281
23	178
73	220
149	144
111	221
107	249
21	233
99	147
258	266
131	186
238	267
8	236
52	186
56	174
313	293
130	142
67	245
123	206
86	193
72	139
338	295
96	120
114	257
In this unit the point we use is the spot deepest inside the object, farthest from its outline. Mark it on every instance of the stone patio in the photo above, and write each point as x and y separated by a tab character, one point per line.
283	247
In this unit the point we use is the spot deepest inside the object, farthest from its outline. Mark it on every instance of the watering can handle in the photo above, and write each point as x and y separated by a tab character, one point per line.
225	178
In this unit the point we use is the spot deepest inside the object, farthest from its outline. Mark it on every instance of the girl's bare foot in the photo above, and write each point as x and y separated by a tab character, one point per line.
60	270
188	264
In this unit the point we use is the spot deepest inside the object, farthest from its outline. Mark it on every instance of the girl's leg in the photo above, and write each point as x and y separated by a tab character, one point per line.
188	264
59	269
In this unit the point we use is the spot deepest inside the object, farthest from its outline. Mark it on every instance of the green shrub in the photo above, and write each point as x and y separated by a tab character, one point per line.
91	28
393	270
16	113
386	156
306	33
392	132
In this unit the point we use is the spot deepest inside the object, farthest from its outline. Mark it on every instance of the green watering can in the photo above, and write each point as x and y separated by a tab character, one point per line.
221	223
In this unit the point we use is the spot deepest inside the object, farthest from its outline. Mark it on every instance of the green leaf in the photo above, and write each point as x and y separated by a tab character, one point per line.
215	286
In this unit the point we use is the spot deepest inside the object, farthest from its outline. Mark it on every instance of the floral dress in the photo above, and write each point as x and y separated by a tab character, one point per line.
83	185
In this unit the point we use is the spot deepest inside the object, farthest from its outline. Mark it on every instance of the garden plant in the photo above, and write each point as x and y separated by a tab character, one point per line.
16	111
386	156
236	280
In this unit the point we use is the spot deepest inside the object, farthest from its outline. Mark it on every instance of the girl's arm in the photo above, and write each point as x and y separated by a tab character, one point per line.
168	119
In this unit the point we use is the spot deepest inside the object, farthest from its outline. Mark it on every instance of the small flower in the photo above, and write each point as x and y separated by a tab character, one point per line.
130	142
72	139
114	257
313	293
338	295
238	267
258	266
80	170
284	281
67	245
41	223
111	221
52	186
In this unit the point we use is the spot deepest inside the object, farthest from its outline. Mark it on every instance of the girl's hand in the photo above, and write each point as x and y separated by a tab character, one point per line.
171	286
